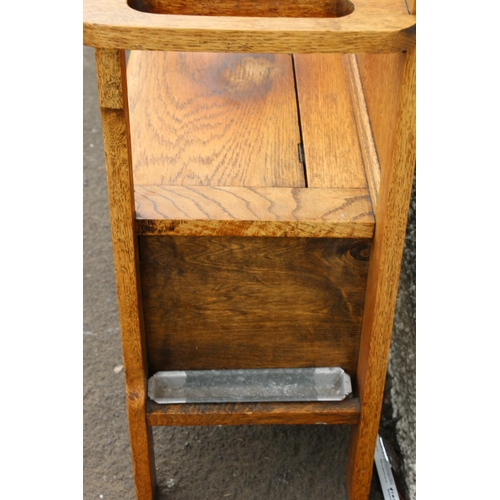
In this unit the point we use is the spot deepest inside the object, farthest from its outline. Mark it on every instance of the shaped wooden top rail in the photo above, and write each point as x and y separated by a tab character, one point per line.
374	26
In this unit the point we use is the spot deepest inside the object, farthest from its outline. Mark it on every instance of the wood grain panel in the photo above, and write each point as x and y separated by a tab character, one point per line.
381	78
343	412
214	119
332	152
223	211
215	303
378	26
365	135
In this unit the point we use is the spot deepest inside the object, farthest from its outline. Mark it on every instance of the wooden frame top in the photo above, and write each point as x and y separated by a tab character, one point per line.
374	27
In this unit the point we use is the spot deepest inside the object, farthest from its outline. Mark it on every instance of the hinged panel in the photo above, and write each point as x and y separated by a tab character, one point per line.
200	119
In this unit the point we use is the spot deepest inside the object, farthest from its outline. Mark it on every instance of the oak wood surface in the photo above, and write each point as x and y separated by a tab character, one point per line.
247	8
366	140
241	211
175	141
374	26
216	303
381	78
383	278
343	412
214	119
110	66
332	154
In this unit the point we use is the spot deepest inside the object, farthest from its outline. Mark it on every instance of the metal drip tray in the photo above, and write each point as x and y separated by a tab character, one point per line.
259	385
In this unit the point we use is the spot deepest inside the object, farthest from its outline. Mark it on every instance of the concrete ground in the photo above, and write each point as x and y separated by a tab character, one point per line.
254	462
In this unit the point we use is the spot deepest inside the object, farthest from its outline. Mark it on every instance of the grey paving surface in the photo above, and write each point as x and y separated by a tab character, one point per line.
402	360
261	462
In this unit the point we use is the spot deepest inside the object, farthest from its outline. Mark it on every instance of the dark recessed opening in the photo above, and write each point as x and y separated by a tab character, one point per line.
247	8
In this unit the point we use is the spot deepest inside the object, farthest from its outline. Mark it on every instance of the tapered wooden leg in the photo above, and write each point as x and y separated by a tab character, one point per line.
141	444
112	84
360	464
382	286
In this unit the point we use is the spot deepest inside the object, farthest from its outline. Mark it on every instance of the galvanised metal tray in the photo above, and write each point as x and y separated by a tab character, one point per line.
255	385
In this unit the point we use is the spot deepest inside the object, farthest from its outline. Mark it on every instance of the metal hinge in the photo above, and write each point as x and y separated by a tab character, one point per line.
302	157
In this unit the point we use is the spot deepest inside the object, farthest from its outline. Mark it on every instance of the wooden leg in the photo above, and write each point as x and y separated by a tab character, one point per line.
112	83
360	463
382	286
141	444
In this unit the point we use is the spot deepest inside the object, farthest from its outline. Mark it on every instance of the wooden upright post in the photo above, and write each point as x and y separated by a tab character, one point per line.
382	286
111	77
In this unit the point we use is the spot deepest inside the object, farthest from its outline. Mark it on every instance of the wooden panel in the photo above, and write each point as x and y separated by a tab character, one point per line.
366	141
343	412
381	78
250	8
214	119
374	26
197	211
332	153
215	303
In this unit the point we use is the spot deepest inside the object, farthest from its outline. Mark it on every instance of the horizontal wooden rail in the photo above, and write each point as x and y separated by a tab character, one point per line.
374	26
242	211
342	412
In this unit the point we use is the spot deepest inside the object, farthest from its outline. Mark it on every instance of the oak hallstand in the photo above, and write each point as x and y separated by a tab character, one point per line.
260	158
